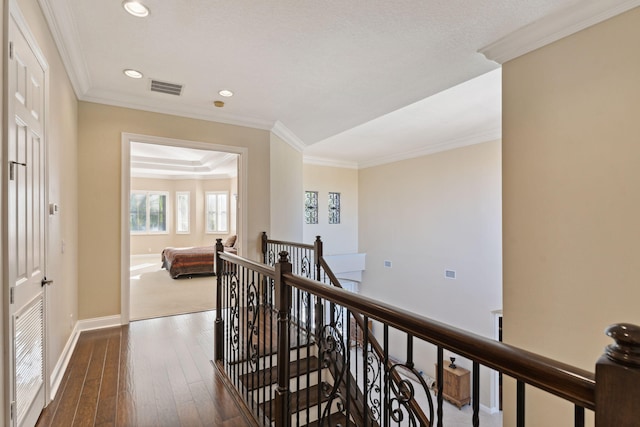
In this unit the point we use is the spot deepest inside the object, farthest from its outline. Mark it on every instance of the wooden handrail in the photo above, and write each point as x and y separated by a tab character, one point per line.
611	392
252	265
568	382
285	243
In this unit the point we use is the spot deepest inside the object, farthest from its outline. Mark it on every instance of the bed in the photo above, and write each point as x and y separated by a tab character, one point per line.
195	260
189	261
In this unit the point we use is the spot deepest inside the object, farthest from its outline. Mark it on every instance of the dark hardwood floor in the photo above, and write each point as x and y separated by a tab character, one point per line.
153	372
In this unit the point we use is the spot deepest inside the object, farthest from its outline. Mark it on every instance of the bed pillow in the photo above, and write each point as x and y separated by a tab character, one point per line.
231	240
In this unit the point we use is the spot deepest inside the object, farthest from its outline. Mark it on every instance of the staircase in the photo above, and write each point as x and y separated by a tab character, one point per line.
311	382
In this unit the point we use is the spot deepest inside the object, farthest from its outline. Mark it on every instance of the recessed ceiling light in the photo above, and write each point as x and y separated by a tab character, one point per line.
218	104
135	8
134	74
225	92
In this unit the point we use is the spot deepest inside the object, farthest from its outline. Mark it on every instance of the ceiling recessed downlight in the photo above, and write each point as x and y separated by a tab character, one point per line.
226	92
134	74
135	8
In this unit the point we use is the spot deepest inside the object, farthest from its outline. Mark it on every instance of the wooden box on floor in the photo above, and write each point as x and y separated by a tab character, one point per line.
457	384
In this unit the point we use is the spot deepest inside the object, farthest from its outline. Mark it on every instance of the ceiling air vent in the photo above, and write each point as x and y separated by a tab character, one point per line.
165	87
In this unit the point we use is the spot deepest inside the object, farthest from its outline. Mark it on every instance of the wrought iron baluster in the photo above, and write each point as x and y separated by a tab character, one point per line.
387	397
440	378
579	416
476	394
347	337
520	404
307	345
365	377
334	356
298	327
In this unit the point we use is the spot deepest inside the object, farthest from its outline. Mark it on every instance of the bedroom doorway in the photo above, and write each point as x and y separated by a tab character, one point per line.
175	194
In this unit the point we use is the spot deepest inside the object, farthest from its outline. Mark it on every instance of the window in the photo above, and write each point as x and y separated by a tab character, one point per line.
311	207
334	208
217	212
148	212
182	212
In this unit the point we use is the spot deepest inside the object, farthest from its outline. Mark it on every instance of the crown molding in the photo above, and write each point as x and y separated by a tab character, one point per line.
192	112
181	177
554	27
492	135
319	161
284	133
65	35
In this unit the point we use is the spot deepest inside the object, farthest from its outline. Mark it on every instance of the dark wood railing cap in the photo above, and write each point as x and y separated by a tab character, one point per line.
626	349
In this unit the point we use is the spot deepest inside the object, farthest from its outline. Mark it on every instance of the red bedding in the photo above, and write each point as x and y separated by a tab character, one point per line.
189	261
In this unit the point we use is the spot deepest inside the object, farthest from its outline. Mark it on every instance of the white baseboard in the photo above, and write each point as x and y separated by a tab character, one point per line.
99	323
488	410
58	371
82	325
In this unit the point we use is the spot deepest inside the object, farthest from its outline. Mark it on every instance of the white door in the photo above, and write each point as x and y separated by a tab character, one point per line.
27	220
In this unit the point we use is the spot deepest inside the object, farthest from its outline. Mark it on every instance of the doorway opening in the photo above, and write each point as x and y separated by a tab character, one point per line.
176	194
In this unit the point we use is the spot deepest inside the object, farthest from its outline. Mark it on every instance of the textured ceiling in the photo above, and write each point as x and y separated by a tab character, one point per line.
313	71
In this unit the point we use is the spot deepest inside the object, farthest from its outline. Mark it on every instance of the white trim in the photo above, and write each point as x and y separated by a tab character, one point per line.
189	111
285	134
125	233
319	161
98	323
243	190
492	135
16	13
58	371
65	34
488	410
553	27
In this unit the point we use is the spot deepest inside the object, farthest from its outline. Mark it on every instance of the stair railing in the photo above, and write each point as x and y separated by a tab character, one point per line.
612	392
321	271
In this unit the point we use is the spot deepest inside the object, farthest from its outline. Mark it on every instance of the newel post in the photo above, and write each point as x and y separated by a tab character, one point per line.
219	325
283	306
317	254
618	379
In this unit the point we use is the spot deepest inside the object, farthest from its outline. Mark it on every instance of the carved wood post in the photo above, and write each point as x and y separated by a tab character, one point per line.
618	379
317	254
219	325
283	305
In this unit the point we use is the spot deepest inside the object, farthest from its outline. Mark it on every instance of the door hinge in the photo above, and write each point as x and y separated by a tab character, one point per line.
10	50
11	295
13	409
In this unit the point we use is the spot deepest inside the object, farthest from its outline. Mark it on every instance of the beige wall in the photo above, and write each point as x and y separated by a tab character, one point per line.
425	215
571	196
100	130
61	139
338	238
286	191
197	236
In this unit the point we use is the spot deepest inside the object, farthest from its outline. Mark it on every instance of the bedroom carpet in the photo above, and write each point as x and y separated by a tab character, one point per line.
153	293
